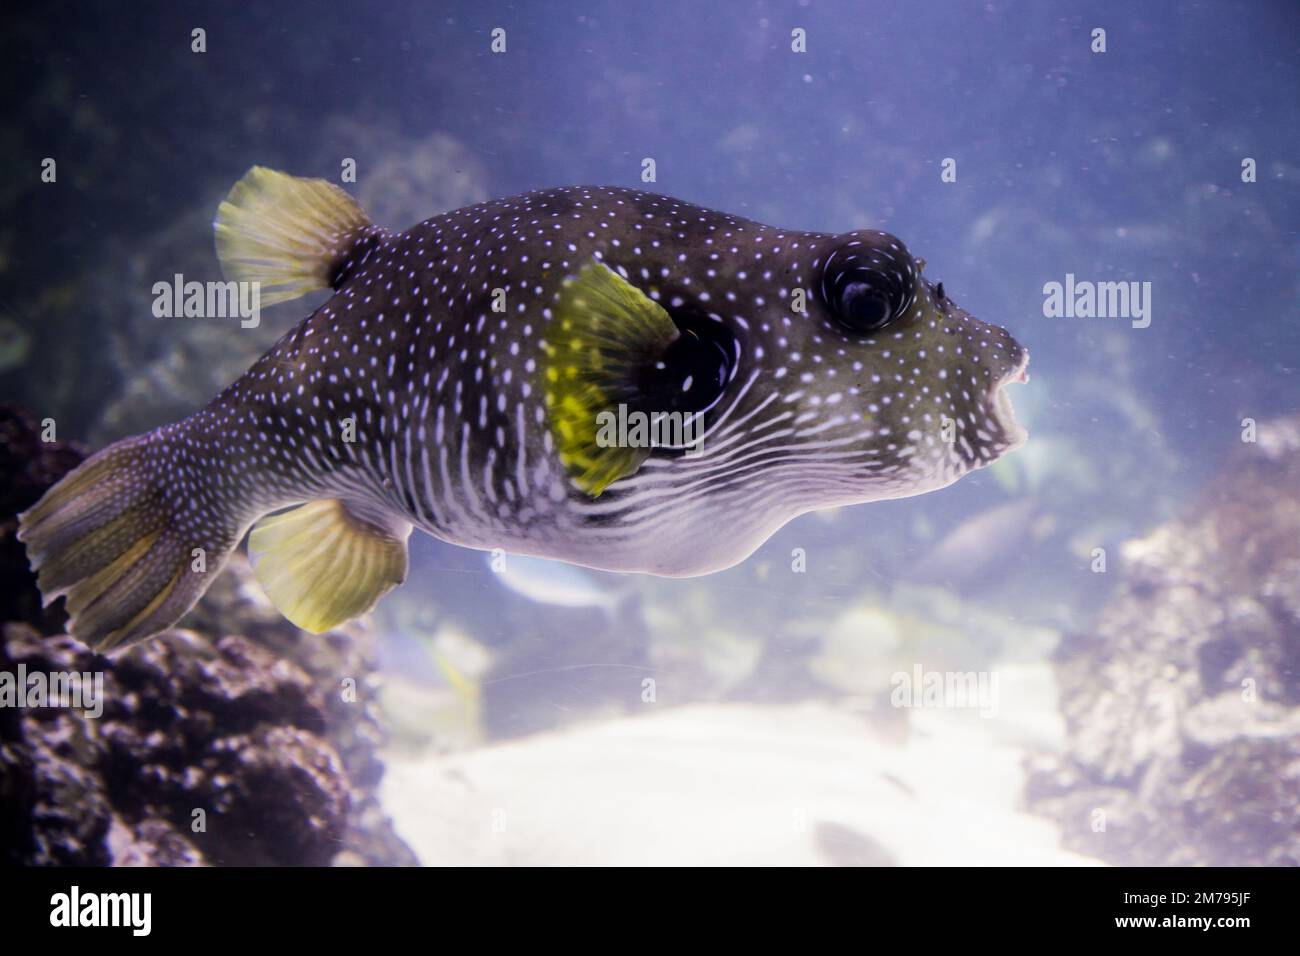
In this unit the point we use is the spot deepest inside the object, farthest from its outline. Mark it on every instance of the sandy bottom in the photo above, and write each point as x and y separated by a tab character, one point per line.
807	784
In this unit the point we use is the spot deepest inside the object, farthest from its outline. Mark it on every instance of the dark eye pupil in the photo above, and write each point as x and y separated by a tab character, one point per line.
867	284
864	308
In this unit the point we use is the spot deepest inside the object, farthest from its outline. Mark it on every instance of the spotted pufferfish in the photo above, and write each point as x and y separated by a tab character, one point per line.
456	379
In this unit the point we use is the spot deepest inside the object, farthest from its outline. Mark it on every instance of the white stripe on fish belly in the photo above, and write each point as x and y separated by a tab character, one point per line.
671	473
758	475
489	485
430	512
734	501
467	482
521	447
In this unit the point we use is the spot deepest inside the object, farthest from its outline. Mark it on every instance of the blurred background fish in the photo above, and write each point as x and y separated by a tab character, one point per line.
559	584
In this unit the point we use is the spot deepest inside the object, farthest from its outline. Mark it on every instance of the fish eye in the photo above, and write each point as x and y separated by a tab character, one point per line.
865	288
863	308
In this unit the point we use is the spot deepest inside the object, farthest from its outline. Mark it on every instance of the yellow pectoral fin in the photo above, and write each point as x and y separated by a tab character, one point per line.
606	330
322	564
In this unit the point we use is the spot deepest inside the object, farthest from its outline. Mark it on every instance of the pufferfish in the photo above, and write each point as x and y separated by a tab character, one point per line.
460	379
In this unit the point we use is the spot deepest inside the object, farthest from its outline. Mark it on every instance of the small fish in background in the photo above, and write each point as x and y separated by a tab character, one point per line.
982	546
557	583
432	683
461	380
407	655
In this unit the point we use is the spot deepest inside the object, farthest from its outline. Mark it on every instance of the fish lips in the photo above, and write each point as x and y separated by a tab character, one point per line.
1011	434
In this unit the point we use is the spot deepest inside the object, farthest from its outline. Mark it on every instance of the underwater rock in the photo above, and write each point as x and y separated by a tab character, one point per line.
1183	705
408	179
240	740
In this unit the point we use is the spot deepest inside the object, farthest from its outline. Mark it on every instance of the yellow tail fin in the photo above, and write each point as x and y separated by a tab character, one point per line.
108	538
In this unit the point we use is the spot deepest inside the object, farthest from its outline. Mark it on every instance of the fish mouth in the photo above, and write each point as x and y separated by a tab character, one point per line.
1013	434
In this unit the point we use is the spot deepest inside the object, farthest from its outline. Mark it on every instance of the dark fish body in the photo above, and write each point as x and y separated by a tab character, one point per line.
447	383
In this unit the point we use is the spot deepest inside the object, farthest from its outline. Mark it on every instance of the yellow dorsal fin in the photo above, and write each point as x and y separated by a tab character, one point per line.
322	563
287	233
605	331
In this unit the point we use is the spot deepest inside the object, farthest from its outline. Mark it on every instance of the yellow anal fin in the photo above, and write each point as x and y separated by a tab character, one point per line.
322	563
605	331
286	233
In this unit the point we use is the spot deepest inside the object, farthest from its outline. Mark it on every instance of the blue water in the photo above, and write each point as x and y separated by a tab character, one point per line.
1117	166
